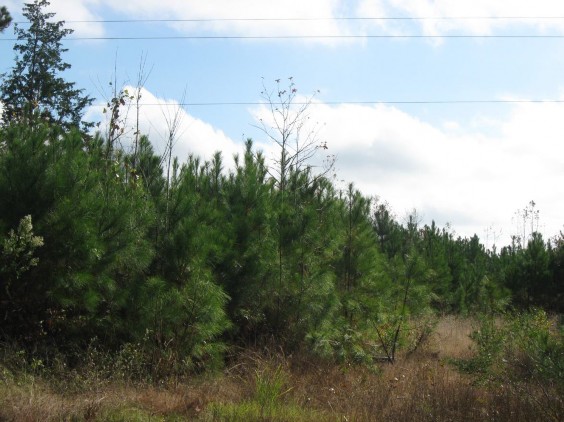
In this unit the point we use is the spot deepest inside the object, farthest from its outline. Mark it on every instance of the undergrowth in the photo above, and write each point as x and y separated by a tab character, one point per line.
506	369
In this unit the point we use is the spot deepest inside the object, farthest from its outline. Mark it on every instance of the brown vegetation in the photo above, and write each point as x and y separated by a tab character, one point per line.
420	387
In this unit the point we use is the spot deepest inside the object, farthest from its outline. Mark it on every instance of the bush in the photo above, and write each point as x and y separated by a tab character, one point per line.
522	345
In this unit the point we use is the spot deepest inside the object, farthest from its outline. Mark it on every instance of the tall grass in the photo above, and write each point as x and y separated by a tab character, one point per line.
266	386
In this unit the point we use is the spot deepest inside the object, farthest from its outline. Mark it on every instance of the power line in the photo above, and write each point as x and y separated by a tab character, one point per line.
408	102
292	37
306	19
302	19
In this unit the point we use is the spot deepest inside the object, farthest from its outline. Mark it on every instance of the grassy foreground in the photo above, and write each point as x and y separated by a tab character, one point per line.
426	385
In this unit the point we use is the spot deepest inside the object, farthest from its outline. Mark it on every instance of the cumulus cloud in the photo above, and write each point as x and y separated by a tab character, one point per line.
193	136
472	180
76	11
247	17
224	11
469	9
470	15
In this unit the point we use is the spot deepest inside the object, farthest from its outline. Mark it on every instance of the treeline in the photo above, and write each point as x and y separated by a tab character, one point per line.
108	248
117	247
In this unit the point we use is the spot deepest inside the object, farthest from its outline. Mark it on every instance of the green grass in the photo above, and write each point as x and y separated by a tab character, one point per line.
255	411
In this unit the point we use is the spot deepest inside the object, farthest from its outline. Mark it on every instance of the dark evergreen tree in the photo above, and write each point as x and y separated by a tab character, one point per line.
93	227
433	249
306	300
252	258
5	18
535	271
34	87
476	287
361	280
302	289
388	230
359	269
184	307
556	290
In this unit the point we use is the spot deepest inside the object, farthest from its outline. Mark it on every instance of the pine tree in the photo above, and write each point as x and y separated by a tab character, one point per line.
388	231
182	305
361	282
252	256
93	226
360	265
535	271
34	86
5	18
556	301
433	249
304	287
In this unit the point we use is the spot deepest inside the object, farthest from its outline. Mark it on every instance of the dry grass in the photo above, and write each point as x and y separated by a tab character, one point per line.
419	387
38	403
452	337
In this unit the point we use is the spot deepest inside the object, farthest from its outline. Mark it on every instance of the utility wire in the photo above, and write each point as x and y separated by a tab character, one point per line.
306	19
272	37
298	19
258	103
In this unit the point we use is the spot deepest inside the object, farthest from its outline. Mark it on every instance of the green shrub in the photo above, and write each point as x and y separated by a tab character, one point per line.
522	345
535	349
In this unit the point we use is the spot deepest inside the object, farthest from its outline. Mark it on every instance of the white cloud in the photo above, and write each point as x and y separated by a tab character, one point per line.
462	176
193	135
67	10
522	10
79	11
223	15
242	9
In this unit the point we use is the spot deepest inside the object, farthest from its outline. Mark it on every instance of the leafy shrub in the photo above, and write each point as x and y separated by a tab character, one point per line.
520	345
180	326
536	350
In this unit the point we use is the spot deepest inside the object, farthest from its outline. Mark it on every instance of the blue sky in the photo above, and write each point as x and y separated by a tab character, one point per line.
472	165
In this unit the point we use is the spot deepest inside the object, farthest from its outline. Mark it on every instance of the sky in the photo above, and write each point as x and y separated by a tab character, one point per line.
438	106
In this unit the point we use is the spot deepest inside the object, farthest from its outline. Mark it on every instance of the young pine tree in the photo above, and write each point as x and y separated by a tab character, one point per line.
182	306
93	226
361	282
304	287
361	264
252	257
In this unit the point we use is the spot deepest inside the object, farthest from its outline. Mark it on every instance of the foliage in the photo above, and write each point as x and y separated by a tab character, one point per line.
360	267
163	264
33	88
533	274
251	259
18	249
522	345
180	325
94	227
5	18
